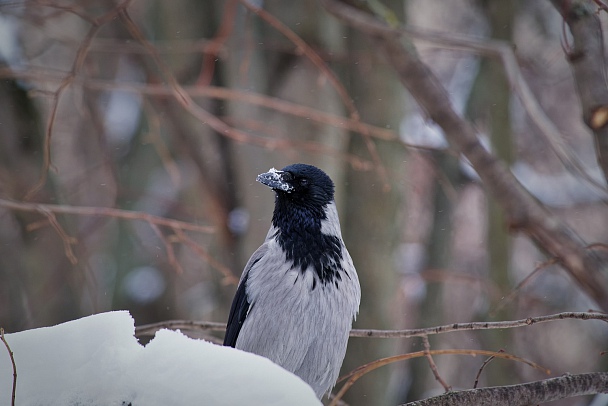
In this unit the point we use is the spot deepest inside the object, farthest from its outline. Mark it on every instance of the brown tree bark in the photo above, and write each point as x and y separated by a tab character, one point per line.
588	63
531	393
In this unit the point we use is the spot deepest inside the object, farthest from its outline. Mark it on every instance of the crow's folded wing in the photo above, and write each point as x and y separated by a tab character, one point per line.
240	304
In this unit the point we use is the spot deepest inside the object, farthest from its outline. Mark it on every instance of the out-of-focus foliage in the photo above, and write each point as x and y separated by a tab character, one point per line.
171	109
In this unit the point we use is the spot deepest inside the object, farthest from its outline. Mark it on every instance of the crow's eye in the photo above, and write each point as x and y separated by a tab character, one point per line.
303	182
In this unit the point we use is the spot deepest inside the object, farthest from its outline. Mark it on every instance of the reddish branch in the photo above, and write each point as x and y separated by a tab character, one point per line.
233	95
188	104
316	59
81	54
522	211
177	228
105	212
357	373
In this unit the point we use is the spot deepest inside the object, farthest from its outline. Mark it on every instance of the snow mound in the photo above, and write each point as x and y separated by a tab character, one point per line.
97	360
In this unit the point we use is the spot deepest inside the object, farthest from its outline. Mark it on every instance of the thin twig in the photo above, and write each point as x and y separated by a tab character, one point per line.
490	47
104	212
283	106
205	77
532	275
357	373
316	59
432	365
485	325
81	54
67	240
420	332
486	362
522	212
235	95
186	101
154	137
168	249
12	357
229	278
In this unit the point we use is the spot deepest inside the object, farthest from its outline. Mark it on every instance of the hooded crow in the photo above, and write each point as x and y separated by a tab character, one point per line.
299	292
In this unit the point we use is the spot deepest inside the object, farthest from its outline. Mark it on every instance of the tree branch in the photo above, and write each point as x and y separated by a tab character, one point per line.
104	212
588	63
522	211
12	357
524	394
150	329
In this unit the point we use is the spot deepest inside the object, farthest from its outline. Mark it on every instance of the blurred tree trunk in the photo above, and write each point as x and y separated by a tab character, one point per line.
439	258
20	145
371	224
491	100
210	153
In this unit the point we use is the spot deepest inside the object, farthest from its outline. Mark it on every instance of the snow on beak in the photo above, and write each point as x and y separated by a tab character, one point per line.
275	180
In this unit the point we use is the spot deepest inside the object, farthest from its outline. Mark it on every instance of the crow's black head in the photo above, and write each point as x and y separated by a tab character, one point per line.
300	185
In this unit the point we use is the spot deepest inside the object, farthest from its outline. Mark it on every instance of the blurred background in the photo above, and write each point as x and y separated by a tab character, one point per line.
172	108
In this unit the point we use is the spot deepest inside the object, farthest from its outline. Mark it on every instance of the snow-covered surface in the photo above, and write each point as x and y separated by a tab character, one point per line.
97	360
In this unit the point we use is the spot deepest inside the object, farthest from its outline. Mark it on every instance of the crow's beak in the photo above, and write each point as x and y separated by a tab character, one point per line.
276	180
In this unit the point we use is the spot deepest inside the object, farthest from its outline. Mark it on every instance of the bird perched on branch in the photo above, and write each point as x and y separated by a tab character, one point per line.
299	292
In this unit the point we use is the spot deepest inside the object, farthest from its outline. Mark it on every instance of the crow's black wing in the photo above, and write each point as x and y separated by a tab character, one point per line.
240	304
238	313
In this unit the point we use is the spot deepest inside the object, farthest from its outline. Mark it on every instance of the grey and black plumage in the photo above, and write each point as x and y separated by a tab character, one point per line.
299	292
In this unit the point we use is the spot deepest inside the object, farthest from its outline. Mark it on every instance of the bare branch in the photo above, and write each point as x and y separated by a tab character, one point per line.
332	78
432	365
516	290
104	212
419	332
177	226
65	238
490	47
167	242
484	325
524	394
229	278
522	211
235	95
12	357
81	54
357	373
220	126
588	62
486	362
223	33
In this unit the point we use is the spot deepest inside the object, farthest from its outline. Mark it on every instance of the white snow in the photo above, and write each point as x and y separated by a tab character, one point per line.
97	360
